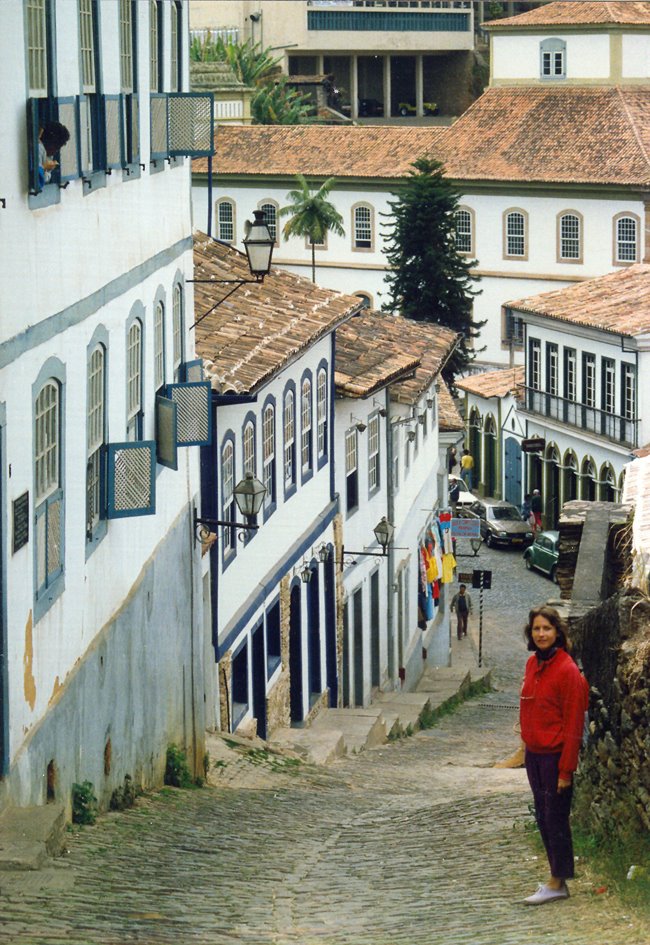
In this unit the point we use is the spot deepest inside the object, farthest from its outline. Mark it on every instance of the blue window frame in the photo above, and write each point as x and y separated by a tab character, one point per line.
159	352
387	21
322	415
289	437
96	414
135	377
306	428
228	507
269	464
178	330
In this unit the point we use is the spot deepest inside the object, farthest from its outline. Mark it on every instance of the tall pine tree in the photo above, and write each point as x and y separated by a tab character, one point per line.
429	280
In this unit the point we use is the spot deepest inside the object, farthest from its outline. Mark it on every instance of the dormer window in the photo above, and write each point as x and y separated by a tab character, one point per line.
553	59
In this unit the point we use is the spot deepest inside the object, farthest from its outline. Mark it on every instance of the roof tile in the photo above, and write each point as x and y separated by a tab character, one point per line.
493	383
578	14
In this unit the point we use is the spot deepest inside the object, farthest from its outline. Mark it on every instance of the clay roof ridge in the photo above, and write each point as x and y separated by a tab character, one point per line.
633	125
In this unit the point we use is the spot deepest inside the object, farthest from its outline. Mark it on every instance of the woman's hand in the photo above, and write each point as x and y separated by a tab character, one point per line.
563	785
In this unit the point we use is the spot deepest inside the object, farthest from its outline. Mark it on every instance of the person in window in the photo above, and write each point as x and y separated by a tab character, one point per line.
51	138
461	605
554	699
466	468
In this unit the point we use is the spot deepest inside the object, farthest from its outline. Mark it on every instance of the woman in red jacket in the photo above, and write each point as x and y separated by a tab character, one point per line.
554	699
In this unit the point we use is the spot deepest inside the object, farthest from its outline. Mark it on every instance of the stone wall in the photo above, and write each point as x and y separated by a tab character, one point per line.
337	527
613	641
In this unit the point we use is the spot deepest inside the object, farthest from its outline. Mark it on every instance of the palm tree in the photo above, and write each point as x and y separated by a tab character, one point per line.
312	215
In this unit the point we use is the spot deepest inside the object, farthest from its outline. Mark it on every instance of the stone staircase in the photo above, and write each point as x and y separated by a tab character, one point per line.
30	835
336	732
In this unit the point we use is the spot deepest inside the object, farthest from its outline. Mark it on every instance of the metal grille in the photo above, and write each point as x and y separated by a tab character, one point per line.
68	161
132	478
135	129
159	125
113	126
193	371
193	403
54	523
41	549
191	125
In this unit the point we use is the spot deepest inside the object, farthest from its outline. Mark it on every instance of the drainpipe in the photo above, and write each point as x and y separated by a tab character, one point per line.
390	562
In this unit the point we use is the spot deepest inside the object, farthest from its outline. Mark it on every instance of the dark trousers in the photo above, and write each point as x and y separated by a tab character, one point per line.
462	623
551	812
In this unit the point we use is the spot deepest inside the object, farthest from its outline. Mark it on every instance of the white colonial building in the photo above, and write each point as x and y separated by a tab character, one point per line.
100	622
550	162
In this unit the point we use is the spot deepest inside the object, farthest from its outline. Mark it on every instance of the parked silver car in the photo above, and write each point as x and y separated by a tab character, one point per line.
500	522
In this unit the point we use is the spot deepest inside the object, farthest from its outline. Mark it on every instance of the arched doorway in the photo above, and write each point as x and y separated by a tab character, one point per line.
513	471
331	670
295	654
474	438
313	634
588	480
551	494
570	477
607	483
490	455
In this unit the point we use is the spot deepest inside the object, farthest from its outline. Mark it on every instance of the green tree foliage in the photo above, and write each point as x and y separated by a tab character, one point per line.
312	215
428	279
249	62
276	104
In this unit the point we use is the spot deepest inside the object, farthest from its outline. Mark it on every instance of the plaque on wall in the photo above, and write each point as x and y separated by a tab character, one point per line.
21	521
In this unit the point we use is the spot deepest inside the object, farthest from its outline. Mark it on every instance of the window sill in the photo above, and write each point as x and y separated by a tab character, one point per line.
48	597
98	534
267	511
306	474
132	172
48	197
96	181
322	461
289	491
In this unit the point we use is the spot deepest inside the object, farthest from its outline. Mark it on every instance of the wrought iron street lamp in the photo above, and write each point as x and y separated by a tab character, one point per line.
249	496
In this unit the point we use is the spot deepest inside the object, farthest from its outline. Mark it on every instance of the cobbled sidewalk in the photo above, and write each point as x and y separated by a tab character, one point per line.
418	842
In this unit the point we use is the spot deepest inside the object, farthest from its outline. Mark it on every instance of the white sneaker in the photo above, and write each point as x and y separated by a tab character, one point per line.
546	894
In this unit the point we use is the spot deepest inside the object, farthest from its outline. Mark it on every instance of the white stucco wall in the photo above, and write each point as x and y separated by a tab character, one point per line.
518	56
636	56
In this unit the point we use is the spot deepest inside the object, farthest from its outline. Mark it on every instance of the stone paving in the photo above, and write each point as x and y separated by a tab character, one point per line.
418	842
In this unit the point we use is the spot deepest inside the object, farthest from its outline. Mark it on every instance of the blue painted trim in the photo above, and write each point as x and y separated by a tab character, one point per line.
111	449
373	492
290	489
332	395
206	387
160	296
54	325
250	417
209	457
227	557
137	313
268	510
321	461
306	472
99	337
268	585
230	400
179	282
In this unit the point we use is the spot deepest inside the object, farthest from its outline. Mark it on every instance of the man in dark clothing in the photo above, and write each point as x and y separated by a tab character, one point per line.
536	509
454	494
461	604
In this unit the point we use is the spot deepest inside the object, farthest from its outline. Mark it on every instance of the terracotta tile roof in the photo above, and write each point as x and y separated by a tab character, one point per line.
449	418
432	344
263	326
370	354
318	151
571	135
618	302
493	383
594	134
570	13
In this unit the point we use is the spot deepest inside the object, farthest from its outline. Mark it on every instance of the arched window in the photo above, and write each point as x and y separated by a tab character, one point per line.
270	211
48	495
515	234
134	382
305	426
95	434
159	345
248	445
626	239
363	227
289	439
569	237
552	54
268	453
228	497
226	221
464	230
367	299
154	51
177	330
321	412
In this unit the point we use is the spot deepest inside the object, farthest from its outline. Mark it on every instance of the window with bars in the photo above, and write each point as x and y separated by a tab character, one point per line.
228	509
363	227
37	48
134	382
289	440
570	237
270	211
177	331
321	412
248	443
373	454
464	231
628	391
268	453
570	374
515	226
154	45
95	435
351	471
589	380
305	426
48	495
535	364
626	239
552	369
159	345
226	221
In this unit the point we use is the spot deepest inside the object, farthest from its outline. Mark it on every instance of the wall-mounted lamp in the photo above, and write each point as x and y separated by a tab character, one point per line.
359	424
430	402
382	410
305	573
249	496
422	418
411	435
383	532
258	244
323	553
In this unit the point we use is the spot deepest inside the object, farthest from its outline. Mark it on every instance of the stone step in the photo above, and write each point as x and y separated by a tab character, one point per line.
29	835
409	706
361	728
315	747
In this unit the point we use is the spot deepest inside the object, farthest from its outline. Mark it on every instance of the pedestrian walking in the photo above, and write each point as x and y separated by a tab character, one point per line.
525	508
452	459
536	510
461	605
466	468
454	494
553	702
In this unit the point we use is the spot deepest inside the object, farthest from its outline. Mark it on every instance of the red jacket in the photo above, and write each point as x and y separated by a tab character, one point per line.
554	699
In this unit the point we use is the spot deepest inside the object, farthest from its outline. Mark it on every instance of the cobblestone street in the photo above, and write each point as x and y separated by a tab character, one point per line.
420	841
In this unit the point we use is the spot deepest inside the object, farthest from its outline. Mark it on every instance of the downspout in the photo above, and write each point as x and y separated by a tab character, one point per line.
390	560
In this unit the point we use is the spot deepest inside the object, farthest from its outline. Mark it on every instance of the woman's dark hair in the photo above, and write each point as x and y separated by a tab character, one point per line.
54	136
553	617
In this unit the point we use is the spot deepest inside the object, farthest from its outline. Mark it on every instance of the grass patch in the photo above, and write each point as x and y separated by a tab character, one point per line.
431	716
177	771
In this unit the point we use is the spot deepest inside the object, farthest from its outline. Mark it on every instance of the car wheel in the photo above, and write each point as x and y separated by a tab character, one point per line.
489	541
529	563
553	574
403	112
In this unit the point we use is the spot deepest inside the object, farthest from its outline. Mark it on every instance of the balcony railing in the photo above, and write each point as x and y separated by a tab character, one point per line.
622	430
